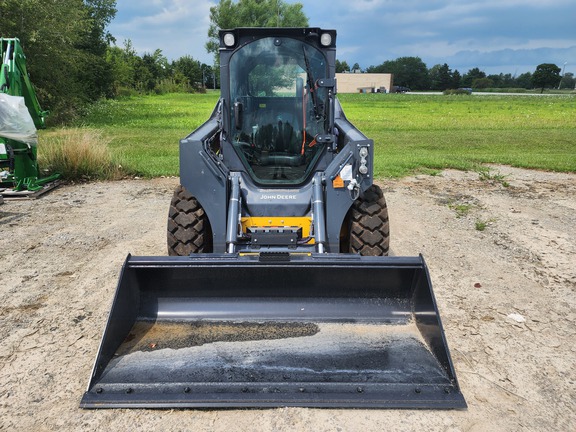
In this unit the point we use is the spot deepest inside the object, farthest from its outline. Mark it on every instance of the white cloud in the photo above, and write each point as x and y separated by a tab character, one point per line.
177	27
365	5
372	31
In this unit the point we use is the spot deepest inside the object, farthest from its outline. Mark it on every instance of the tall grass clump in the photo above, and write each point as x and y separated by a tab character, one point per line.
78	154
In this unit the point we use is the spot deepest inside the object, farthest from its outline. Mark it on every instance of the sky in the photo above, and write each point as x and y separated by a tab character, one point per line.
497	36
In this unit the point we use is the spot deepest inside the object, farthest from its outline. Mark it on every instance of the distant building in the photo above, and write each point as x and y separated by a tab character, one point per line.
364	82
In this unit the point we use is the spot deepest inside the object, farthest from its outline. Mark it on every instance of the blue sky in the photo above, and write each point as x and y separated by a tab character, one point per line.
509	36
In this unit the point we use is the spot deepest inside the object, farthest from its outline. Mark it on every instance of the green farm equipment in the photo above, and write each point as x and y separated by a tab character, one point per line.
20	117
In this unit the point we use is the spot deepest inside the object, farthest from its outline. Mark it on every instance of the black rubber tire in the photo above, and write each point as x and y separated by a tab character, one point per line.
369	228
188	226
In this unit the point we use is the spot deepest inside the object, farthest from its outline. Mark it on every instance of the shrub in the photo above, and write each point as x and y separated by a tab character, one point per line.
457	92
505	90
126	92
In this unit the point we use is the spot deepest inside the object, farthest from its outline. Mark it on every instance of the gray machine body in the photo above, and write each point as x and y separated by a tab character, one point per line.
208	176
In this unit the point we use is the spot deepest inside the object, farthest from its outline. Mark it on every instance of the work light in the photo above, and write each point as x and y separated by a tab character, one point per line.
326	39
229	39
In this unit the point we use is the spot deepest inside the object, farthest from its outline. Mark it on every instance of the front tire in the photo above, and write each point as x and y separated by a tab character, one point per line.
188	225
368	224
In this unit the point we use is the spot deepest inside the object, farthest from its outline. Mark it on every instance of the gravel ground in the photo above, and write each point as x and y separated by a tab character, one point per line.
502	257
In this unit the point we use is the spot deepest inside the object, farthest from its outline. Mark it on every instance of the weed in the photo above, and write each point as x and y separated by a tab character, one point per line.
481	225
485	175
461	210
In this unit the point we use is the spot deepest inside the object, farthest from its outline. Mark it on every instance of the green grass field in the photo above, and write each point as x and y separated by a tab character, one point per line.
417	132
413	133
145	131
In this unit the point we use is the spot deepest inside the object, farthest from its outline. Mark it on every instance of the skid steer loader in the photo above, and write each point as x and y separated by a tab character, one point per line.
278	290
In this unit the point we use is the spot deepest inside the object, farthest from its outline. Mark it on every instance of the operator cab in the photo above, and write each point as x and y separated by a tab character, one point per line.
280	112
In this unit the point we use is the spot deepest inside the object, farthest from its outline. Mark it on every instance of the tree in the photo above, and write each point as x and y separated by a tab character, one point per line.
151	70
65	45
48	45
408	72
546	75
191	69
568	81
502	80
97	79
208	76
252	13
122	63
342	66
471	75
456	78
482	83
441	77
524	80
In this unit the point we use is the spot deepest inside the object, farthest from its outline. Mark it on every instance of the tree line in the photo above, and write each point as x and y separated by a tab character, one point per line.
73	60
152	73
413	73
65	43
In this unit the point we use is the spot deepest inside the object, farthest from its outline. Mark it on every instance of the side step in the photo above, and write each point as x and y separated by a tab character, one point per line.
225	331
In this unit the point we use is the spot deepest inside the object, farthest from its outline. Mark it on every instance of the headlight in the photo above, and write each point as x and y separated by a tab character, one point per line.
229	39
363	152
326	39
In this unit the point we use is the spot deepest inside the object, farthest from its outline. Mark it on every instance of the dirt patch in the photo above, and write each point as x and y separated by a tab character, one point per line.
502	257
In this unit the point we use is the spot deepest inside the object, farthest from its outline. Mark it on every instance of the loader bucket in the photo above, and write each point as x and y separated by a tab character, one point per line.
274	330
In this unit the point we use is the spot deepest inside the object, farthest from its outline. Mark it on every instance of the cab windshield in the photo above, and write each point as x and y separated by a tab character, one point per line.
276	111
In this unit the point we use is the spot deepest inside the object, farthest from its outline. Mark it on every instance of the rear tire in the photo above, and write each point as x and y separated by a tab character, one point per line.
368	225
188	225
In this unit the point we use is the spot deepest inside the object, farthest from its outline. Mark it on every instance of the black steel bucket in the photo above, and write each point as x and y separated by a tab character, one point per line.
267	331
